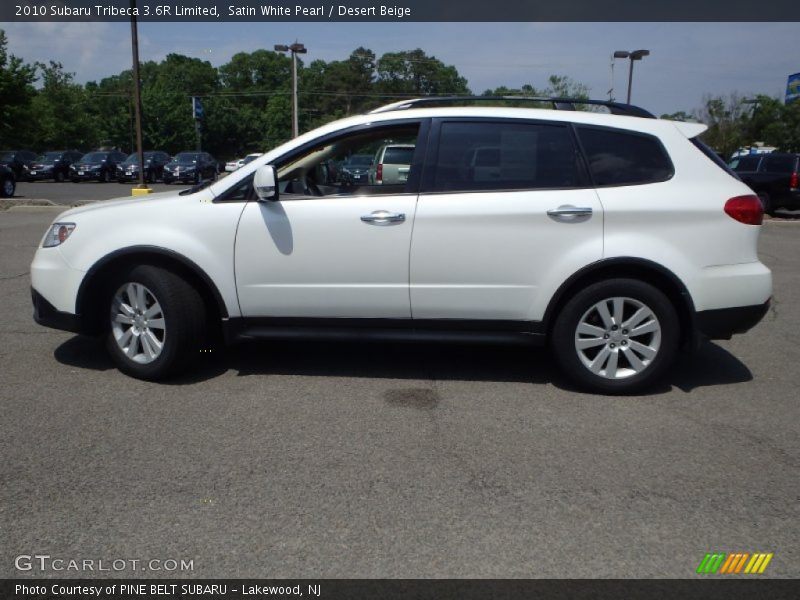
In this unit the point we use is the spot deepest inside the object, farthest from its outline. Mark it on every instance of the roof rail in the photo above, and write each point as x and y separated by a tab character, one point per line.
615	108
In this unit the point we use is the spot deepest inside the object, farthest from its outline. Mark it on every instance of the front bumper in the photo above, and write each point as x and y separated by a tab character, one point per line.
183	177
87	175
47	315
722	323
39	174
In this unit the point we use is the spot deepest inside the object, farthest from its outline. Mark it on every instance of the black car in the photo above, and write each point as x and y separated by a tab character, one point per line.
191	167
98	165
775	177
18	161
356	169
8	183
53	165
154	162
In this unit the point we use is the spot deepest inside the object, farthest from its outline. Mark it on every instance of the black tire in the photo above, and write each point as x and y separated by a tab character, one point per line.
635	294
184	317
58	177
105	177
8	187
766	202
76	180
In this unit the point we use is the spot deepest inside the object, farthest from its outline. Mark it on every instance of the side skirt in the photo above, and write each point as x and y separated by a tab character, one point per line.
380	330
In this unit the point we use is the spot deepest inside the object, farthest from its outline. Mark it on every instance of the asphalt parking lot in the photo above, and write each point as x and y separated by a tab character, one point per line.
330	460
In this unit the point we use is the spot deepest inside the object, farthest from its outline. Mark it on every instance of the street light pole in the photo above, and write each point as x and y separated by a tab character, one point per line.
633	56
295	49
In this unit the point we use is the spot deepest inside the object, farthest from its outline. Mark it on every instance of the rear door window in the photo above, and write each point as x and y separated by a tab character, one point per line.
511	155
746	163
618	157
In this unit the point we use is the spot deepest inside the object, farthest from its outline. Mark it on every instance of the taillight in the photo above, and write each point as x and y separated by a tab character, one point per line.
794	181
379	172
745	209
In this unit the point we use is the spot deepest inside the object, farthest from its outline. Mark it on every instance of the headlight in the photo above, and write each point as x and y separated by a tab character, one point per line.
57	234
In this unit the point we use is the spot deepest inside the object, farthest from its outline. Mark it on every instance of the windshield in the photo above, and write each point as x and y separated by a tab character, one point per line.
6	156
94	157
133	159
250	158
187	157
398	155
48	158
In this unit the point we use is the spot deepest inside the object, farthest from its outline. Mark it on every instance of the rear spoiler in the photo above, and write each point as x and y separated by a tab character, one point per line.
690	130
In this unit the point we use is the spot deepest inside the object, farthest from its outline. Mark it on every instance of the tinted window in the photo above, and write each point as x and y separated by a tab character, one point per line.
398	156
624	158
746	163
779	164
505	156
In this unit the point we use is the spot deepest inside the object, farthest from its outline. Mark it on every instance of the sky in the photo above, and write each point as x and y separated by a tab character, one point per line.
687	60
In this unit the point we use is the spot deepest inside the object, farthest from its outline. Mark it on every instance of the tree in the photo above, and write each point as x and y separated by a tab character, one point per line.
414	73
60	107
725	118
16	95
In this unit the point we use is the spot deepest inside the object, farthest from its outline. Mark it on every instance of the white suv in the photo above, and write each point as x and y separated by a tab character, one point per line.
615	238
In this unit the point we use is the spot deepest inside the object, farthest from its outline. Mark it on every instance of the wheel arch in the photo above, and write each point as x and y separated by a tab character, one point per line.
629	268
88	297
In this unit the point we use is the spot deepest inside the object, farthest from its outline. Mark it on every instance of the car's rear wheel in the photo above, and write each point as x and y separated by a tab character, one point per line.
617	336
156	322
59	176
9	186
766	203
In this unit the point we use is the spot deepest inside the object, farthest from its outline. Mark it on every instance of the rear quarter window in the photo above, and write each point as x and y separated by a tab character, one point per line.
398	156
617	157
779	164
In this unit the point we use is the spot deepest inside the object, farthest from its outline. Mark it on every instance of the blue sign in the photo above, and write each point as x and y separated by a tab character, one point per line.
197	109
793	88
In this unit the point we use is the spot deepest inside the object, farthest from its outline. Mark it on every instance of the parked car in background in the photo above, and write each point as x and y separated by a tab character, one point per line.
154	163
18	161
593	240
391	164
190	167
231	166
775	177
355	169
8	183
98	165
53	165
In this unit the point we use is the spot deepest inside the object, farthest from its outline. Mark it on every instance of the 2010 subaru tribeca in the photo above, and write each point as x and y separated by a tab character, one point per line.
617	239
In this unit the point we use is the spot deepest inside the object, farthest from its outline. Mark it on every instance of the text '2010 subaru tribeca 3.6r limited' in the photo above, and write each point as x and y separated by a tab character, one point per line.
617	239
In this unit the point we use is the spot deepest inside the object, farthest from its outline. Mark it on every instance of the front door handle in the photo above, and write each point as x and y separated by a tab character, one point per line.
568	211
383	217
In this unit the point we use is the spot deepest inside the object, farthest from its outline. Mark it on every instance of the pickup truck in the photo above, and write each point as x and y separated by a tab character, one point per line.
773	176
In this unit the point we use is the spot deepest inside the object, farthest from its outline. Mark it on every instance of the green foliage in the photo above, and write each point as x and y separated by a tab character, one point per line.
16	97
248	105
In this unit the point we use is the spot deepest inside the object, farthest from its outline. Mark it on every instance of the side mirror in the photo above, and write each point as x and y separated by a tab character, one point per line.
266	183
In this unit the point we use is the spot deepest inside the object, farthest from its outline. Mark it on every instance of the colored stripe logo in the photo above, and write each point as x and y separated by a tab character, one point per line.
734	563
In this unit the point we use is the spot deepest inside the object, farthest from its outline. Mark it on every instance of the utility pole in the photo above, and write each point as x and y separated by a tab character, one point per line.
295	49
137	100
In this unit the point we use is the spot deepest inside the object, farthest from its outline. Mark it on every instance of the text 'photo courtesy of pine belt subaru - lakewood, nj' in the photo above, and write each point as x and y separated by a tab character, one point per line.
614	237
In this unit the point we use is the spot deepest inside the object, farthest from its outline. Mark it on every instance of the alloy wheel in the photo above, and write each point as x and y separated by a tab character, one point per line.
137	323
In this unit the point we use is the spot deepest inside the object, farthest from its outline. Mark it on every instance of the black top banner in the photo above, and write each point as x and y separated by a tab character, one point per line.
400	10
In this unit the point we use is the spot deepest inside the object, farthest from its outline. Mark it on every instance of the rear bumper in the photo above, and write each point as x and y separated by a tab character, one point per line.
47	315
722	323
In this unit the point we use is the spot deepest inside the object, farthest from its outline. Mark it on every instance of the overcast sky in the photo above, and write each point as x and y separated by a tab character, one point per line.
686	61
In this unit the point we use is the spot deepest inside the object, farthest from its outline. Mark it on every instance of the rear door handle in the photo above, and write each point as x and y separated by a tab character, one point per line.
568	211
383	217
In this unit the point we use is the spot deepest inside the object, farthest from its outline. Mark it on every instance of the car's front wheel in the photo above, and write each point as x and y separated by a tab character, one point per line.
156	322
617	336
